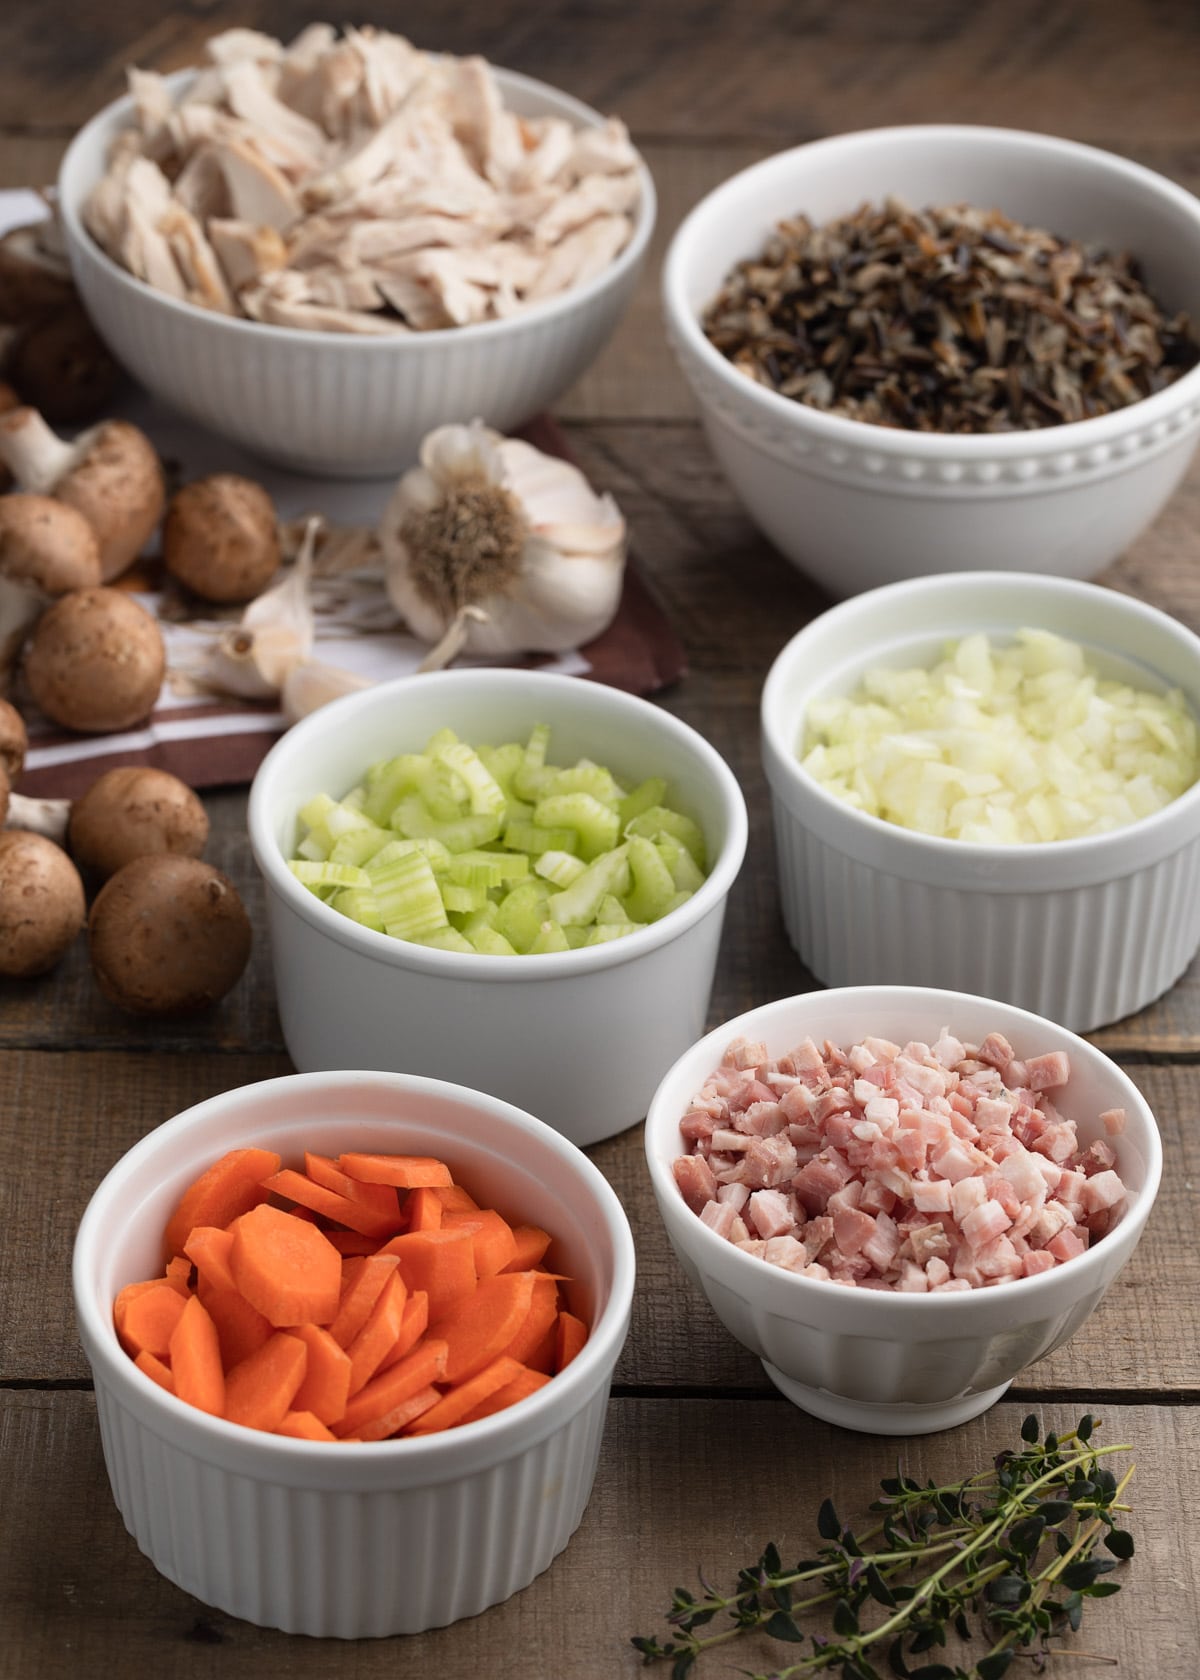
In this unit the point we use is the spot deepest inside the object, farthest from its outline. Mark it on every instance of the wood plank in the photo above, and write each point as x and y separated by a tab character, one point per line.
677	1489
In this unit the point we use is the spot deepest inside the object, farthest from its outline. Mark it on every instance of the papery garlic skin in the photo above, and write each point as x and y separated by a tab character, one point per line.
564	583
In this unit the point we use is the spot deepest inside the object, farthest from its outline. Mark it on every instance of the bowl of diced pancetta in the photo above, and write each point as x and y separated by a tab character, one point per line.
324	249
899	1198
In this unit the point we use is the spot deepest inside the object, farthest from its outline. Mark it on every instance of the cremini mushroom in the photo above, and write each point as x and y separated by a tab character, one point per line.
46	550
168	935
42	906
33	280
110	473
62	367
95	661
40	816
134	811
221	538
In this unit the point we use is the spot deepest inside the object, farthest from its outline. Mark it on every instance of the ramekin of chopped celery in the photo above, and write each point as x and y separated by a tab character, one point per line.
499	851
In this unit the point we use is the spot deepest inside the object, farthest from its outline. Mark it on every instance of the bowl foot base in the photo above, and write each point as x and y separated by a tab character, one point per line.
888	1418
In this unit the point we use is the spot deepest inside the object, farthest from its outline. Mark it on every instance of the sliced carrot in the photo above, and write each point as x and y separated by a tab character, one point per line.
425	1364
298	1188
412	1327
326	1385
378	1335
406	1172
492	1240
230	1187
196	1359
241	1328
179	1274
304	1426
452	1408
259	1392
392	1422
364	1281
352	1242
381	1197
442	1263
423	1209
156	1370
525	1383
149	1318
127	1296
455	1199
572	1334
534	1343
285	1267
479	1326
208	1248
532	1243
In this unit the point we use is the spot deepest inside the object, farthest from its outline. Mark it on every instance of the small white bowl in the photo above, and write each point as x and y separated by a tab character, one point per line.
364	1540
1084	931
578	1038
886	1362
336	404
856	505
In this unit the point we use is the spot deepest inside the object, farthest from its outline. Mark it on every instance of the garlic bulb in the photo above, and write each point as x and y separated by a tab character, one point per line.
494	547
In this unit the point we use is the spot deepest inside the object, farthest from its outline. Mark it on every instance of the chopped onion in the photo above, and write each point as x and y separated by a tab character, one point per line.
1003	744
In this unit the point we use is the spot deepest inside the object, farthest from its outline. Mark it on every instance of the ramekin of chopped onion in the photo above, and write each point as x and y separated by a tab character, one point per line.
989	781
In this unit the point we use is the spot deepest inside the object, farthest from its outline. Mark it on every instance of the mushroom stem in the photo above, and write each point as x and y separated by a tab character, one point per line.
35	455
47	817
20	609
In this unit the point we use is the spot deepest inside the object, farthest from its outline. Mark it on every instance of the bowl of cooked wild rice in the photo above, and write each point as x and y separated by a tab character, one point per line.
943	347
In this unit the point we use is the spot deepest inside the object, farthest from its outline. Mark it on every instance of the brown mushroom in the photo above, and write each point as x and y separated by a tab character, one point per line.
33	280
62	367
42	906
14	740
134	811
47	817
46	549
95	661
221	538
168	935
110	473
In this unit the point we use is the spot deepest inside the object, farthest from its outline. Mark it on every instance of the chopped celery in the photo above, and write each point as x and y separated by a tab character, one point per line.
412	819
577	904
650	792
652	888
529	837
387	783
685	872
360	905
484	792
489	943
329	874
521	913
487	869
359	845
407	893
446	939
597	825
601	933
559	868
550	937
659	819
584	778
459	898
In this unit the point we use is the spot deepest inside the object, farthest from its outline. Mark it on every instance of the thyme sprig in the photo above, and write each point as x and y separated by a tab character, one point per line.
1017	1546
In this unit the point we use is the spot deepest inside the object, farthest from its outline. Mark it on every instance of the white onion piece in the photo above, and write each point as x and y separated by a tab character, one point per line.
1003	745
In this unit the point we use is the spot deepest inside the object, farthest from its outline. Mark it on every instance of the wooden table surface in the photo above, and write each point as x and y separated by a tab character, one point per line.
702	1462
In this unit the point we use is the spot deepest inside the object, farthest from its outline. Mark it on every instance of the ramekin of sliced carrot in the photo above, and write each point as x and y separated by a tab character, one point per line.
366	1297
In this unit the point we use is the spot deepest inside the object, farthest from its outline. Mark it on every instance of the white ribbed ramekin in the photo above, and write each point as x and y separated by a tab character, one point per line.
578	1038
1083	931
887	1362
336	404
856	505
357	1540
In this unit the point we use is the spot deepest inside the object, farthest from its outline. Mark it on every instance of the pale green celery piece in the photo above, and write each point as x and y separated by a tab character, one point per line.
439	739
444	791
678	898
597	825
518	811
312	850
407	894
521	913
329	874
470	923
684	870
488	869
489	943
650	792
413	820
503	763
587	778
576	937
602	933
611	909
530	837
457	897
559	868
652	890
446	939
360	905
484	792
388	781
550	937
661	819
314	813
359	845
576	904
345	819
529	780
356	798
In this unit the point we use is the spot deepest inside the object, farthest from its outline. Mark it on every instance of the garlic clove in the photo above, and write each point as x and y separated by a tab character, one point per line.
312	684
251	660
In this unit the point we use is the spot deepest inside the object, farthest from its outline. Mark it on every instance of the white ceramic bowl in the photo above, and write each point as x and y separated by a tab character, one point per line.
855	505
881	1361
362	1540
1084	931
335	404
578	1038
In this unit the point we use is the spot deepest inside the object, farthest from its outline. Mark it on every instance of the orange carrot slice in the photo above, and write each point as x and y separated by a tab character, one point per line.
208	1247
393	1421
452	1408
304	1426
534	1343
145	1318
259	1392
442	1263
297	1188
241	1328
352	1242
156	1370
492	1241
425	1364
179	1274
480	1326
406	1172
378	1334
532	1243
285	1267
326	1385
572	1334
229	1188
380	1197
196	1359
455	1199
525	1383
364	1282
423	1209
412	1327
